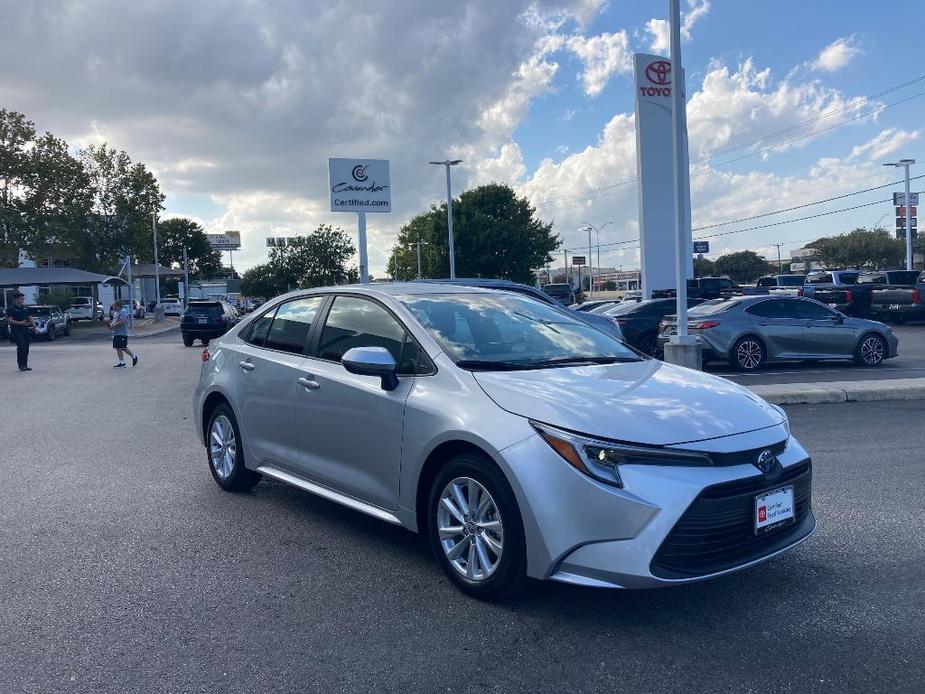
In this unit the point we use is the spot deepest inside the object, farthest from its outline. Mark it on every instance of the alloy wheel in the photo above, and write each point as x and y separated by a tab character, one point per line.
749	354
470	529
872	351
223	447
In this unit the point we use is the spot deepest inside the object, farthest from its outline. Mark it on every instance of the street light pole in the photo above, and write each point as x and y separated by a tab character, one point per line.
157	271
597	230
590	268
449	210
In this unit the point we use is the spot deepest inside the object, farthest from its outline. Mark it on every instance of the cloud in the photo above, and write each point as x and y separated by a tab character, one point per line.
658	28
603	56
836	55
884	144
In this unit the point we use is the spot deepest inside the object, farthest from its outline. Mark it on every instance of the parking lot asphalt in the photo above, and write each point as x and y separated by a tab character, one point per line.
910	363
126	569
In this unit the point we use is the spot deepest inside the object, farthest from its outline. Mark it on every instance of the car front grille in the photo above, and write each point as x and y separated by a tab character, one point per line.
746	457
717	531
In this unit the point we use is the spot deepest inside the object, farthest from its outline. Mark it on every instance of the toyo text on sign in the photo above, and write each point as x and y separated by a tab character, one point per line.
359	185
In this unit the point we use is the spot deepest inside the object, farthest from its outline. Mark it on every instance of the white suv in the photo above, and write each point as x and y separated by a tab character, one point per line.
172	307
84	308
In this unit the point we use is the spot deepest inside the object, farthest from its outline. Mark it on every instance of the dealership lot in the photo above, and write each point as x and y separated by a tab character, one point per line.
126	568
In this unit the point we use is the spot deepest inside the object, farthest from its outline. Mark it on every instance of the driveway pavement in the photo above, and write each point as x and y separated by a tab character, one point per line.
125	569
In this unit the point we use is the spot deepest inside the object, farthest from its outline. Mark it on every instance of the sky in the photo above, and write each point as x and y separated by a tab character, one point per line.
237	106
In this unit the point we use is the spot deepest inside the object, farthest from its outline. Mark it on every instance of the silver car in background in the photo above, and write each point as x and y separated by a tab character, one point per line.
518	439
749	331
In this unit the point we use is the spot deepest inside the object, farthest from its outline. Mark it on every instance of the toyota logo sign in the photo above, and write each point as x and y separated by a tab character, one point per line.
658	72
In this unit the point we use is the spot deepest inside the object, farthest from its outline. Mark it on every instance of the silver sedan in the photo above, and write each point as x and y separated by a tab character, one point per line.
750	331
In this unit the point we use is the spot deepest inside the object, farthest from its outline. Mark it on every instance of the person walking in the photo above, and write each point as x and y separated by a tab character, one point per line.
22	325
121	322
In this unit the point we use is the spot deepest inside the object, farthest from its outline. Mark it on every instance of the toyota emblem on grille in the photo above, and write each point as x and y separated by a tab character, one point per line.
765	460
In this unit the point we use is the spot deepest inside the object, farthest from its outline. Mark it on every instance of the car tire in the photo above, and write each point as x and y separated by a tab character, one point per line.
205	343
225	454
67	330
51	334
648	345
871	351
187	341
500	527
747	354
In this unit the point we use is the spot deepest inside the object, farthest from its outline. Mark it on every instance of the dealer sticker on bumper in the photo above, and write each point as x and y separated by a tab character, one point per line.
773	509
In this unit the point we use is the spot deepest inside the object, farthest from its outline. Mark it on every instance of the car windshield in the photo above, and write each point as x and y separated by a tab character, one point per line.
204	309
848	277
39	310
708	308
790	280
625	307
500	331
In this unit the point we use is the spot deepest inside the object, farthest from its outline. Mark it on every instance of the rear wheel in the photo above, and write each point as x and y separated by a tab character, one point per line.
747	354
188	341
475	528
871	351
67	329
226	454
51	333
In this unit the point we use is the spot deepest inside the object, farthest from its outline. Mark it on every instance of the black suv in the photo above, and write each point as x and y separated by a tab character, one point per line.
205	320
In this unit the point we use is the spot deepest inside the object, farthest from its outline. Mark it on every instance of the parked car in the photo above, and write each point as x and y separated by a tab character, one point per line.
639	321
84	308
138	309
519	441
563	293
827	280
705	288
902	299
611	327
751	331
777	285
206	320
855	299
598	305
252	305
50	321
172	306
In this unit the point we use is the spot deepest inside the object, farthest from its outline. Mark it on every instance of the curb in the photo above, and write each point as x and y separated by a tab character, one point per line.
841	391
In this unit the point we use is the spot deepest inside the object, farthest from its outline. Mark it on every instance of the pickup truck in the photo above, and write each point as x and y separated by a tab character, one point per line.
902	297
837	288
704	288
855	299
778	285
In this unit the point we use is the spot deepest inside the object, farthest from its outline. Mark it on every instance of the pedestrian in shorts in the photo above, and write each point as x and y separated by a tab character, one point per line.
121	322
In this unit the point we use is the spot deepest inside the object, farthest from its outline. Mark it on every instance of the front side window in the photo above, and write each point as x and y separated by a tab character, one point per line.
355	322
292	323
497	331
809	310
257	333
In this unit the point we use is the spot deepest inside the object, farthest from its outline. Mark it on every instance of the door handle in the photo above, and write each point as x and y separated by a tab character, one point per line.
246	365
308	383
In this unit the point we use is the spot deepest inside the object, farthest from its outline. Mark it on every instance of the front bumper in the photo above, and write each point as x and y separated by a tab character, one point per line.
584	532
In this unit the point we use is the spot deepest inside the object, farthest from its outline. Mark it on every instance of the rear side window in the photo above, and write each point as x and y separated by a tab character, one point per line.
872	279
257	333
292	323
771	309
354	322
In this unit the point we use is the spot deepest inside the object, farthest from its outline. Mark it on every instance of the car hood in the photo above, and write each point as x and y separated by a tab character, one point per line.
645	402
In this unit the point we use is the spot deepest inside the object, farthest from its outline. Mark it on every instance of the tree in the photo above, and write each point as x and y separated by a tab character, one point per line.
263	281
861	248
318	259
16	137
704	267
173	235
744	266
496	234
124	197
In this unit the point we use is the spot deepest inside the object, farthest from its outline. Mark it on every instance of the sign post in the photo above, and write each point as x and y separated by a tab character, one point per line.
361	186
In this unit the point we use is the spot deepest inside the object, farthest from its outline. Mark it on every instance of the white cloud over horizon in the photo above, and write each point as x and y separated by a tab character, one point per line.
836	55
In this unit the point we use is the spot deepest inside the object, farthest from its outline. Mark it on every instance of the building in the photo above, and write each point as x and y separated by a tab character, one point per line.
804	260
37	283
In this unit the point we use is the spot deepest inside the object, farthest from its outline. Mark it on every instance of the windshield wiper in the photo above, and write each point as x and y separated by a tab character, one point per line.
493	365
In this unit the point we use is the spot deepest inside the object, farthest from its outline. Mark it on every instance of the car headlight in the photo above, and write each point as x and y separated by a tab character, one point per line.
602	459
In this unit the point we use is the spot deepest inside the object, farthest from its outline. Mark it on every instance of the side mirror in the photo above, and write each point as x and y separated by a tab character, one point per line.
372	361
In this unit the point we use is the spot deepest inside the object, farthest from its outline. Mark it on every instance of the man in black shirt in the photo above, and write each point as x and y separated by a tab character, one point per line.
21	326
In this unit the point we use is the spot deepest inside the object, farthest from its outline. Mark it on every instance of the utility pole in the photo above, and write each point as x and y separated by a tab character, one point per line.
906	163
418	244
780	266
185	280
449	211
590	268
565	264
157	271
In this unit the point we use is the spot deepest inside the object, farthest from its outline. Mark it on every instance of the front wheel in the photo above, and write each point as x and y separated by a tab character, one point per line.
226	454
67	330
475	528
187	341
747	354
51	333
871	351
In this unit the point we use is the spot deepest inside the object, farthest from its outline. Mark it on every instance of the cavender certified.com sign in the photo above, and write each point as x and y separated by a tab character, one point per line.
359	185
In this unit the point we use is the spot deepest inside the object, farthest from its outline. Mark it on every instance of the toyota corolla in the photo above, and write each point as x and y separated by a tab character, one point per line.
522	442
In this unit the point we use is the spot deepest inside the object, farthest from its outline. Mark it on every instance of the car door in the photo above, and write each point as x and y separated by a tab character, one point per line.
779	326
825	333
351	428
270	363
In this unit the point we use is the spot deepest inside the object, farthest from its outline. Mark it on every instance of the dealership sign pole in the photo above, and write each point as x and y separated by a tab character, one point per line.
361	186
